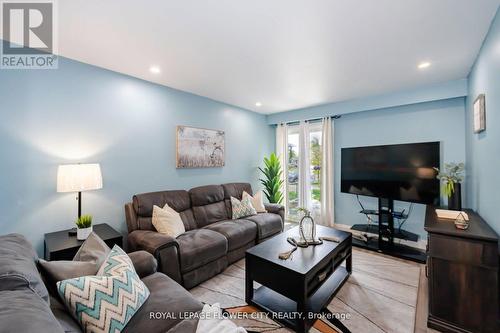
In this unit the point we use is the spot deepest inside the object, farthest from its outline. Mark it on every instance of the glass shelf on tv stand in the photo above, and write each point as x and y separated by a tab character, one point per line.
396	215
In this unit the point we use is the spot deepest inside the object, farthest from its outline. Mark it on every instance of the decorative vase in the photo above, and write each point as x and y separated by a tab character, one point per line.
455	199
83	233
307	228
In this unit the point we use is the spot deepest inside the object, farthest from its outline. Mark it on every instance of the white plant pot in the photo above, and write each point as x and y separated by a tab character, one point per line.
82	234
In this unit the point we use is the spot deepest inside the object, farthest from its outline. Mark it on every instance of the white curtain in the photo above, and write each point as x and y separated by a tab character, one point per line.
282	151
304	166
327	195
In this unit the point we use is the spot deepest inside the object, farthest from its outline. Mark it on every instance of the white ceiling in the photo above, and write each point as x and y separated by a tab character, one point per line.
286	54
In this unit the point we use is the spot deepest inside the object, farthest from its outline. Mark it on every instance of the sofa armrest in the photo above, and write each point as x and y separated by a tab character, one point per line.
131	217
276	209
150	241
144	263
165	250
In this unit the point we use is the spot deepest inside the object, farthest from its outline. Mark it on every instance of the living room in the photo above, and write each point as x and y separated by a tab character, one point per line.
283	166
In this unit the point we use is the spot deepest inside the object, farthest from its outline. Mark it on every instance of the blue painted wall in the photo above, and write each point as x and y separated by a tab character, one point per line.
483	149
81	113
442	121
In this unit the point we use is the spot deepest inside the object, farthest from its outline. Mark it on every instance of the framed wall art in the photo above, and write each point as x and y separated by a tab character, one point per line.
479	108
199	147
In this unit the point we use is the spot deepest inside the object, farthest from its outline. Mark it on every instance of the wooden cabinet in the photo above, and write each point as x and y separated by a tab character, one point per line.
463	272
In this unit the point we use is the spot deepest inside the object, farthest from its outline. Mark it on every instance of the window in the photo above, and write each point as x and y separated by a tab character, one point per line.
315	133
293	173
294	187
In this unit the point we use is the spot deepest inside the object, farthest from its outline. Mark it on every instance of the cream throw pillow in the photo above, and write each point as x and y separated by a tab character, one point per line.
256	201
167	221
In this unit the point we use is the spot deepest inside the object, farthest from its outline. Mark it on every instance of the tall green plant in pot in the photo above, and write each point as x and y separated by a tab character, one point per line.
272	181
451	178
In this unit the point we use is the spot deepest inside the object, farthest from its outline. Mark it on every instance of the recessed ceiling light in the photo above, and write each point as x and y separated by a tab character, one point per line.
424	65
154	69
258	104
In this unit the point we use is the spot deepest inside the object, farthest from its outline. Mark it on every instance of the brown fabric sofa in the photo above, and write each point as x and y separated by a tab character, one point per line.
28	305
212	241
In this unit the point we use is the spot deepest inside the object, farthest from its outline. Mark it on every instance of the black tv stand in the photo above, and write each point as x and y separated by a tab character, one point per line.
398	233
387	233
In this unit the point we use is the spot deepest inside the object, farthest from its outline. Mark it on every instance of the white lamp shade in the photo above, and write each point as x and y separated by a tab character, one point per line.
79	177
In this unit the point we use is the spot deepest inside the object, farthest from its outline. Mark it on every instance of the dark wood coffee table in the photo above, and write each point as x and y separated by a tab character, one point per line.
297	290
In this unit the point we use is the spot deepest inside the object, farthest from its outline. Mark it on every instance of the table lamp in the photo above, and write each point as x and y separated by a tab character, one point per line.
79	178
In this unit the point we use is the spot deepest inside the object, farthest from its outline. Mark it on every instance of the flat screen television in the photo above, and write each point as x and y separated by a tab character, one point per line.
399	172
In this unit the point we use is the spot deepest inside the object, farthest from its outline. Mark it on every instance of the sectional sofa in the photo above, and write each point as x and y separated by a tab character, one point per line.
29	304
212	241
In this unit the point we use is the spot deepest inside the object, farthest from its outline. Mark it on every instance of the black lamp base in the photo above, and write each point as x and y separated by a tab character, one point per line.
72	231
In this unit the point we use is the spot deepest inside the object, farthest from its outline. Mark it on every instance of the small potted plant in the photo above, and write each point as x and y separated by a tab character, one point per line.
84	227
451	177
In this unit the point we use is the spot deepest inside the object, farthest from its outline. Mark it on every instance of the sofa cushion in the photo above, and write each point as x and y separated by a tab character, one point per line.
167	297
208	204
205	195
236	190
145	223
179	200
199	247
18	266
67	322
268	224
210	213
238	232
185	326
187	217
24	311
203	273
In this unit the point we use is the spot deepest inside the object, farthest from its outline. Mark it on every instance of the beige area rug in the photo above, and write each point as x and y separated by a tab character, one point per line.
379	296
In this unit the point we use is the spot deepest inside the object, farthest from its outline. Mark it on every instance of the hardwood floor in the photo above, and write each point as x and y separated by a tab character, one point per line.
422	298
422	305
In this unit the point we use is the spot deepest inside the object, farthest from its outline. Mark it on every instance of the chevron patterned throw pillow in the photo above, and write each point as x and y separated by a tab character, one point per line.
242	208
106	302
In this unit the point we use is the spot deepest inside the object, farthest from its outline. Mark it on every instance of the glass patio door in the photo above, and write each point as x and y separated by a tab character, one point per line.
315	153
292	168
311	161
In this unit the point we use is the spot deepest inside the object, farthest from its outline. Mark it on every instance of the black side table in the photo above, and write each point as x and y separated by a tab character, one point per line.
61	246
